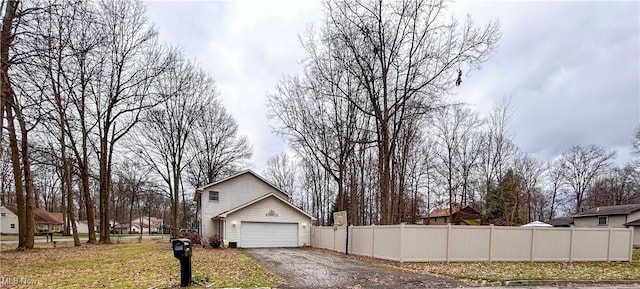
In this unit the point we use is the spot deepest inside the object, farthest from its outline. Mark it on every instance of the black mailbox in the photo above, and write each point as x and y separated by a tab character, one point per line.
183	251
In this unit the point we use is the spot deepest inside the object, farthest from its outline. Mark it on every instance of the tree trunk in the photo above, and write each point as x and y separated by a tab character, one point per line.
30	201
17	178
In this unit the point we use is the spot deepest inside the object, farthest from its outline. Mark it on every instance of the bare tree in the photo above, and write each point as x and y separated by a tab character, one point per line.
555	180
404	58
581	166
132	60
166	129
453	128
530	171
282	172
216	147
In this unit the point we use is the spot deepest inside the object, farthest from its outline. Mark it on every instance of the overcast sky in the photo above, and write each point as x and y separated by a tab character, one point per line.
572	68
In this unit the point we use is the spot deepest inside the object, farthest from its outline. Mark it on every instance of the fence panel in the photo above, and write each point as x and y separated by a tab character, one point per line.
420	243
552	244
361	240
386	243
469	243
511	244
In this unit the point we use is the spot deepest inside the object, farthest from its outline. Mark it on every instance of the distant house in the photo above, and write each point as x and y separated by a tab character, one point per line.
458	216
561	222
621	216
44	221
147	225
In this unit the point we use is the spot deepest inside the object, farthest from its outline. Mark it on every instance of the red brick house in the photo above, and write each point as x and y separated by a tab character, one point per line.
459	216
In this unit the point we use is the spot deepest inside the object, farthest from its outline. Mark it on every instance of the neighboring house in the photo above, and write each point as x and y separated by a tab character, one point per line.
8	221
460	216
144	223
44	221
621	216
561	222
248	211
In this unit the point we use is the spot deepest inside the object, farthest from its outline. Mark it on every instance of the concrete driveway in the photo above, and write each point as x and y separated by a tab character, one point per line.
304	268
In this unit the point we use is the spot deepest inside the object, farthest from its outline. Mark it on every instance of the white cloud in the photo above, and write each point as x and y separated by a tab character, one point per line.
572	68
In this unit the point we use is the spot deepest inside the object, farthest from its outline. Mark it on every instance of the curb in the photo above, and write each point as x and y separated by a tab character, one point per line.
570	282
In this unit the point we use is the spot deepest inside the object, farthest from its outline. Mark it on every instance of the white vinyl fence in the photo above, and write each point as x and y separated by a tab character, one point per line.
426	243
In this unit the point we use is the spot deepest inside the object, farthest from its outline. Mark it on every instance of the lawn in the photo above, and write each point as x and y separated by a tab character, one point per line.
497	273
149	264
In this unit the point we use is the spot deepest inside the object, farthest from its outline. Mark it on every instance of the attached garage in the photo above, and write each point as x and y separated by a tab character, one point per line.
256	235
268	221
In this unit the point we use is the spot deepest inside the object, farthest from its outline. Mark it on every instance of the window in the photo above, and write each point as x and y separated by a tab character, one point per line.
3	214
214	196
13	226
603	220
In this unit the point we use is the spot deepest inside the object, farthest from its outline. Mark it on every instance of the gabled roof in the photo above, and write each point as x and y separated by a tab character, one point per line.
238	208
58	216
609	210
40	215
443	212
201	189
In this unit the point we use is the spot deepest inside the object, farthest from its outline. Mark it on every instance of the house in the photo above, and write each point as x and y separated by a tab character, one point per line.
144	223
461	216
248	211
44	221
561	222
621	216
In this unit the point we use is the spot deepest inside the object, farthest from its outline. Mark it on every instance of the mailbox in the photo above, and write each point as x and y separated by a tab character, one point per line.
182	251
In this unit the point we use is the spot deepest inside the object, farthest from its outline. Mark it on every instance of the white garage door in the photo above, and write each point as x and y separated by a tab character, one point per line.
259	235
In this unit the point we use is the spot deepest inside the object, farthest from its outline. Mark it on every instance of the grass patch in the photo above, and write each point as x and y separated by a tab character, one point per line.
128	265
500	272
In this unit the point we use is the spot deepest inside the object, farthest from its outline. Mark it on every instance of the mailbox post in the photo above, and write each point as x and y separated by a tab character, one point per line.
182	250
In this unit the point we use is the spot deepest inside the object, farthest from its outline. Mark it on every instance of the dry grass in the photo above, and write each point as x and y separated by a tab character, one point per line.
133	265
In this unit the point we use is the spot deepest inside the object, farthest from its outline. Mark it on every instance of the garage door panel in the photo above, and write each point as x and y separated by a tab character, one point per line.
260	235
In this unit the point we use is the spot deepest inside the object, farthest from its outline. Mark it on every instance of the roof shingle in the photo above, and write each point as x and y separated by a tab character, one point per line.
609	210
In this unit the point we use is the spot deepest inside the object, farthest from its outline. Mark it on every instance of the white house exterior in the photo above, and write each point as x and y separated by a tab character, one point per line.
8	221
248	211
155	224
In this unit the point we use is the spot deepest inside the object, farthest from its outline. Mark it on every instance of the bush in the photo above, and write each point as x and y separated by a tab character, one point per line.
214	241
194	237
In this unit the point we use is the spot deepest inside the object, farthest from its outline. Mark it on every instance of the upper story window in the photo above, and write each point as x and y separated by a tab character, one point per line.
603	220
3	214
214	196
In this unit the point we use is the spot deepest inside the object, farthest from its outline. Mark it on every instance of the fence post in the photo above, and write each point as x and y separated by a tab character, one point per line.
571	244
631	228
533	241
401	242
335	232
448	240
609	244
372	239
490	243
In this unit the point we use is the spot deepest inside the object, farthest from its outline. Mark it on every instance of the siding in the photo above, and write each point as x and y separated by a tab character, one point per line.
233	193
257	213
592	222
7	220
633	216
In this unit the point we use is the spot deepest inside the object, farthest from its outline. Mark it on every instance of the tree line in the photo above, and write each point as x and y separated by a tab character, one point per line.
103	121
374	130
